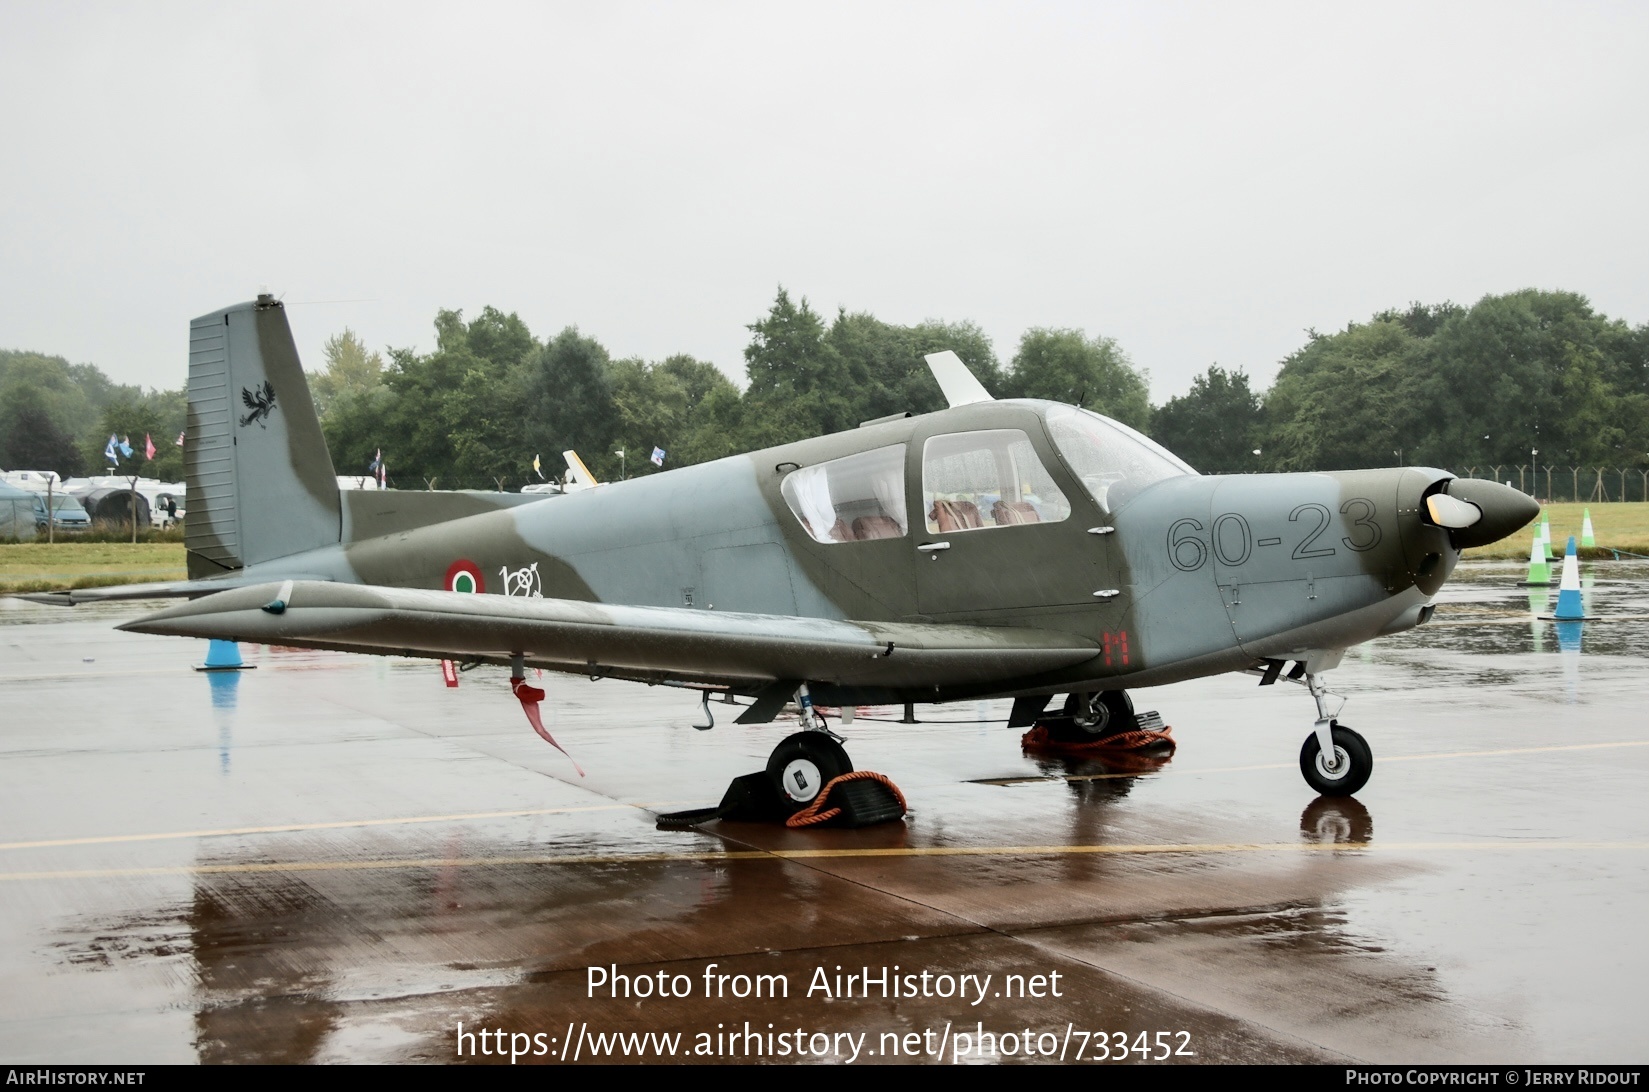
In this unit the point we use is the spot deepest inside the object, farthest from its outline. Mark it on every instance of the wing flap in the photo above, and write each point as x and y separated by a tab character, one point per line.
567	634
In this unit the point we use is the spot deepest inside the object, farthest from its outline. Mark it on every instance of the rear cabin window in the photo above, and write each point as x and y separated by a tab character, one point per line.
975	480
854	499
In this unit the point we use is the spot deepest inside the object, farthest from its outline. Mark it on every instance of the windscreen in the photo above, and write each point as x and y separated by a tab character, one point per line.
1112	460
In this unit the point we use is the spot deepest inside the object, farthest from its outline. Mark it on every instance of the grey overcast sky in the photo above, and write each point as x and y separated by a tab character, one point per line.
1199	181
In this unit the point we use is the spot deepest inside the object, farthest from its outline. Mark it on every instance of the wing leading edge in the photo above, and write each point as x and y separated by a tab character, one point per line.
639	642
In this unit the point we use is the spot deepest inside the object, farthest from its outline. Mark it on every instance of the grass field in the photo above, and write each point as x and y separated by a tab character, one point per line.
39	566
1622	526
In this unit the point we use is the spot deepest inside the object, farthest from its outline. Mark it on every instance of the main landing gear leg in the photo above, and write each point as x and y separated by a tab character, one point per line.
1335	760
805	762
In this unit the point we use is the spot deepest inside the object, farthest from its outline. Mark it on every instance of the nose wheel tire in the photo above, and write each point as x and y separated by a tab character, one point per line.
803	764
1349	769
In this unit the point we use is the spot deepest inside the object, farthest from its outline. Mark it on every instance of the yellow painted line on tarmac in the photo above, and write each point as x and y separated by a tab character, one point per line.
1291	765
713	856
461	817
111	839
1519	750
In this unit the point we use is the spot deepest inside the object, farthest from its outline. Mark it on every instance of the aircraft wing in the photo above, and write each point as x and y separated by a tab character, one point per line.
166	589
657	643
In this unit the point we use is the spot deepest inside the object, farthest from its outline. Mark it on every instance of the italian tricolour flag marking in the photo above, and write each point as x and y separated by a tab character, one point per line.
465	576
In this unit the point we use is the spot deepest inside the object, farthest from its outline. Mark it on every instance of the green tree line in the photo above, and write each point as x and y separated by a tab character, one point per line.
1441	385
474	412
59	416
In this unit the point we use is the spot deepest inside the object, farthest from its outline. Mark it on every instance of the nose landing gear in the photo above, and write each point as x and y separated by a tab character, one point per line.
1335	760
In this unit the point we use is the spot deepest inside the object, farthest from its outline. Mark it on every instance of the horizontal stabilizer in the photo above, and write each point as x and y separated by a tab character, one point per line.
637	642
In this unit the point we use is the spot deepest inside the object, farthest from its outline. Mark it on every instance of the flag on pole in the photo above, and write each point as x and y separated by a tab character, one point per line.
180	439
377	461
658	456
126	446
148	447
383	474
537	468
109	452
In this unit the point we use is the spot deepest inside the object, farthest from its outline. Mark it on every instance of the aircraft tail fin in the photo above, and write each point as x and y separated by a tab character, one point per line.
577	473
260	481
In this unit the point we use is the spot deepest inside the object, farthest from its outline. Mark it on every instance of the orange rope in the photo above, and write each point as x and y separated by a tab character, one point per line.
812	815
1039	739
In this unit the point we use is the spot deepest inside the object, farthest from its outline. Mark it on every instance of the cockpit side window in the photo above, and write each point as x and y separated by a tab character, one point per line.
851	499
1112	461
976	480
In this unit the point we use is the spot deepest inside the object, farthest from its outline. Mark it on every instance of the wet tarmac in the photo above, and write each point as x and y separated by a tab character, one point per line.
334	858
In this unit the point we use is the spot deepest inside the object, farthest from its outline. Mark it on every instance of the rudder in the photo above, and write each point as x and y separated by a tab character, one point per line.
260	481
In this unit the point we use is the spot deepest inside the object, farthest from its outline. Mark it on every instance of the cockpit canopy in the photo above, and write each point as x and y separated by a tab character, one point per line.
976	479
1112	461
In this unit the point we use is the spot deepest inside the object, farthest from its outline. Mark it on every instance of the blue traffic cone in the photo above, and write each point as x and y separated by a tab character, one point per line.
1569	606
225	656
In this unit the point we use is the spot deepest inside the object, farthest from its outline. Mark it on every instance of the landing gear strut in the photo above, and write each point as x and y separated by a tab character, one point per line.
1335	760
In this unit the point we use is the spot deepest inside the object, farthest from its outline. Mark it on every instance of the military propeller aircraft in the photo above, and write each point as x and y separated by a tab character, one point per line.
995	549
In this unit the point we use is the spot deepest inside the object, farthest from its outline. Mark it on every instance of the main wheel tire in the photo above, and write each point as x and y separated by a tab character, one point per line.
1113	711
1355	762
805	763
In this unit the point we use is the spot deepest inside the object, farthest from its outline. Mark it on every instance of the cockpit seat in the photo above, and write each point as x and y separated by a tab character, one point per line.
1006	513
955	515
868	527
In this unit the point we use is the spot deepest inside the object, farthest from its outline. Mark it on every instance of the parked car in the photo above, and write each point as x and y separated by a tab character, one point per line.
67	513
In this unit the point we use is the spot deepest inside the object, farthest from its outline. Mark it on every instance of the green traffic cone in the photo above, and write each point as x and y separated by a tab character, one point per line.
1546	537
1540	570
1586	538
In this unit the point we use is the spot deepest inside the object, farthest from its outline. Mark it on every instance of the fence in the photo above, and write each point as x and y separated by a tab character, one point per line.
1580	484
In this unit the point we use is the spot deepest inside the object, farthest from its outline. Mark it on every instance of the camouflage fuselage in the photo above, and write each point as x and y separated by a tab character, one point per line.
1193	575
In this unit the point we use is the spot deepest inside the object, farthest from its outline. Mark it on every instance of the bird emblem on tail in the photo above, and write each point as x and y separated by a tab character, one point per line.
261	403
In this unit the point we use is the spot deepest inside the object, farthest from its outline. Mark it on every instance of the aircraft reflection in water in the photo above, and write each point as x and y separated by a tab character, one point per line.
996	548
